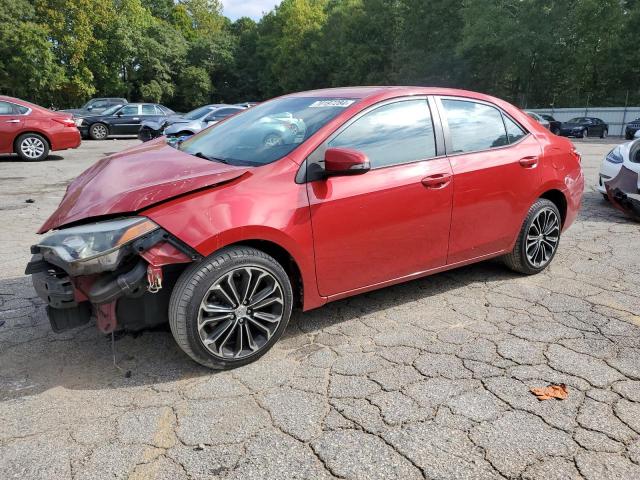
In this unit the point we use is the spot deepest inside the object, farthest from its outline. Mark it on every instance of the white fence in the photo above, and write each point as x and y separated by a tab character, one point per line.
616	117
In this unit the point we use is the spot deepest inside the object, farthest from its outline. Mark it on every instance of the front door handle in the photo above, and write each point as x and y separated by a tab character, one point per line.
529	162
136	118
437	181
12	121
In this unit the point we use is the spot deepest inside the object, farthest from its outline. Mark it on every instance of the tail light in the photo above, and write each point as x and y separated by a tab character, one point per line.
67	122
575	154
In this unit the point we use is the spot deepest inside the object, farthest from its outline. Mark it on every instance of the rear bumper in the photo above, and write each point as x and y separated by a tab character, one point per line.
63	140
575	191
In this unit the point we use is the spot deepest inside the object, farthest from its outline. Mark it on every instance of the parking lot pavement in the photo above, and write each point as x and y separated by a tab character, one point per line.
428	379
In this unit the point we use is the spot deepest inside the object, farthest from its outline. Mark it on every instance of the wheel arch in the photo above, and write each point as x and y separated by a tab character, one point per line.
559	200
34	132
103	123
285	259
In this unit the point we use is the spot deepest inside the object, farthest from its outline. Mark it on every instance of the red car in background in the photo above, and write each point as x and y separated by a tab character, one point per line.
227	232
32	131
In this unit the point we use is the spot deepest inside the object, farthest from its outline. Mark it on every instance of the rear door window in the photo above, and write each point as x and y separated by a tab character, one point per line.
6	108
474	126
129	110
149	110
514	131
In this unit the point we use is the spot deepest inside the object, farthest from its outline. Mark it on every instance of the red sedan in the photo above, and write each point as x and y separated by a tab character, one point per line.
300	201
32	131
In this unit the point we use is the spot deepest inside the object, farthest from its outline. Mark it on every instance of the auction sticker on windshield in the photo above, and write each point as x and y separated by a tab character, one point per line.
332	103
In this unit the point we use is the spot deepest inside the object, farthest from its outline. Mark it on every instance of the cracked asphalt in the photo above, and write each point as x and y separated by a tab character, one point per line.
429	379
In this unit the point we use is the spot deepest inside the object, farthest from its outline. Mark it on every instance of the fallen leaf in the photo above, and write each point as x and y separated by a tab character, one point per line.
557	391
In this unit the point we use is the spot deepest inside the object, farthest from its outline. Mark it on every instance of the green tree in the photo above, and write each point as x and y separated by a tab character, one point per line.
28	67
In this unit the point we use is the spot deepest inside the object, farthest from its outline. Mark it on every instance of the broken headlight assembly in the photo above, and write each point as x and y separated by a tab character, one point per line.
95	247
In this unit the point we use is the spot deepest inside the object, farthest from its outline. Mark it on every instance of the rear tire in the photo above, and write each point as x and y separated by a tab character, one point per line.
99	131
32	147
219	314
538	239
604	134
585	133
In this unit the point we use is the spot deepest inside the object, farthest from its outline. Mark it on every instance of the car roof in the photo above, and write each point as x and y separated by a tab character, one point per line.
373	94
24	103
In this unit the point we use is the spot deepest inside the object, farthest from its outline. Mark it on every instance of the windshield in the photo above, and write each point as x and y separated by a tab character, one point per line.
579	120
267	132
197	113
111	110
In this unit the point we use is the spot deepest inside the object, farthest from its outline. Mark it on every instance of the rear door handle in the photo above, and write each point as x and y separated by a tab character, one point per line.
12	121
437	180
529	162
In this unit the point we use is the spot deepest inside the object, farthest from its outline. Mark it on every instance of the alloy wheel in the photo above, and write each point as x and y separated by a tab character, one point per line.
99	131
543	237
32	147
240	312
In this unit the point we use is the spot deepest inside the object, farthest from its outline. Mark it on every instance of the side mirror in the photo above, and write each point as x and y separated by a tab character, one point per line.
89	108
119	114
345	161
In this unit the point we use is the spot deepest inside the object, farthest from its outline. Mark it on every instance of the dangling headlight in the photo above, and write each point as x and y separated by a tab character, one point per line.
94	247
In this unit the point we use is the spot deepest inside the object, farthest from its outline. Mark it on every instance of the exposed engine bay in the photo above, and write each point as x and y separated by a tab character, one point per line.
120	275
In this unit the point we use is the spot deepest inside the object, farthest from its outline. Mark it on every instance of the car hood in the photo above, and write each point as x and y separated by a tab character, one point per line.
163	122
135	179
177	126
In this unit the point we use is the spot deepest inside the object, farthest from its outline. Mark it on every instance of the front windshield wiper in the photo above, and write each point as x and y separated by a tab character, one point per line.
211	159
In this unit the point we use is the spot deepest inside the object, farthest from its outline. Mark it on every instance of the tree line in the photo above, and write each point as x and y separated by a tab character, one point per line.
185	53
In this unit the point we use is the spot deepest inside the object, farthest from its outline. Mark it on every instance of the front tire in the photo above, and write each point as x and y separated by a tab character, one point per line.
32	147
538	240
231	308
99	131
585	133
604	134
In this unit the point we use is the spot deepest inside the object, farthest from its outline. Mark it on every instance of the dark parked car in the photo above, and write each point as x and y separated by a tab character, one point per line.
554	125
121	120
187	124
584	127
632	128
95	105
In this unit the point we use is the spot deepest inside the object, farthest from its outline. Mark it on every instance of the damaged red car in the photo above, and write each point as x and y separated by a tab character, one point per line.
299	201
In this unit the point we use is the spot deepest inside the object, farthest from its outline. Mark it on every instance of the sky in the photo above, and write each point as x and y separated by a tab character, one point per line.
235	9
